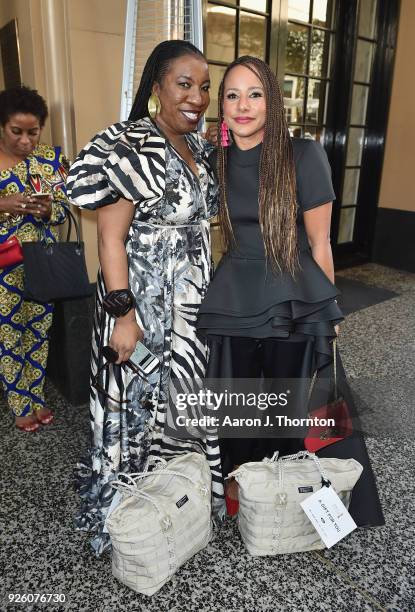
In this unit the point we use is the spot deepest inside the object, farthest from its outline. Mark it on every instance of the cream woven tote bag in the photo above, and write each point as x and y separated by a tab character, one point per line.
163	519
270	519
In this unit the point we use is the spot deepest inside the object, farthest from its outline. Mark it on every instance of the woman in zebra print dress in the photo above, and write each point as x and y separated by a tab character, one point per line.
155	191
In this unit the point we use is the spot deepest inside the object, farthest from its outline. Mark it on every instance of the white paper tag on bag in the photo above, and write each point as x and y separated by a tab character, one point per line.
328	515
115	502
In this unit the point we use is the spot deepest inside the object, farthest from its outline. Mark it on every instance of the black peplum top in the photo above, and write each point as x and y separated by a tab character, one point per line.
246	297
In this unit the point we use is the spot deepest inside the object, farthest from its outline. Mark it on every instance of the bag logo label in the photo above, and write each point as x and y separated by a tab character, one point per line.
305	489
182	501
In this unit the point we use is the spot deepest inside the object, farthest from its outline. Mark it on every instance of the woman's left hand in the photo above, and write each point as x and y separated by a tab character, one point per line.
41	207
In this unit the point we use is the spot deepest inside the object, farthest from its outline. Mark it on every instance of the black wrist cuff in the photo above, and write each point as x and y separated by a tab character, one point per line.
118	302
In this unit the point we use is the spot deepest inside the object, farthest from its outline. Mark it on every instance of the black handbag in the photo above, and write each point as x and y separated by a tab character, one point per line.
55	270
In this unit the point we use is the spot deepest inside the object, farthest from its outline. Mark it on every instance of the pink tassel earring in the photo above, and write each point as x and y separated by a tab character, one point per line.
224	134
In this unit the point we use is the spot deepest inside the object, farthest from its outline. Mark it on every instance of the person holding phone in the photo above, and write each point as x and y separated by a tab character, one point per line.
32	195
150	180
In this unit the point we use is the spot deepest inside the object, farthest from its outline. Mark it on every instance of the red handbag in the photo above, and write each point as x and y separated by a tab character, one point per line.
320	436
10	252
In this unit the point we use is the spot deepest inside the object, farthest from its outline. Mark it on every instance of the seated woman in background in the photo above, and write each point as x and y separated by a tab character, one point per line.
270	310
26	167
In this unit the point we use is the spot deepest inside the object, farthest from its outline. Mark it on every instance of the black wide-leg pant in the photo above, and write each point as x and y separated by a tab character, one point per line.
267	358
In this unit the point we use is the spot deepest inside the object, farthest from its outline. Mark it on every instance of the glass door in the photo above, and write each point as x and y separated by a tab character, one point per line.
356	130
337	67
308	66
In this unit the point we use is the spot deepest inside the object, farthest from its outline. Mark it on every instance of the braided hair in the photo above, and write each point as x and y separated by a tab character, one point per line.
277	184
156	69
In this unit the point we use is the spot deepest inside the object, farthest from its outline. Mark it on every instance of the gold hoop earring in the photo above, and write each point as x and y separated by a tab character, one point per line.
153	105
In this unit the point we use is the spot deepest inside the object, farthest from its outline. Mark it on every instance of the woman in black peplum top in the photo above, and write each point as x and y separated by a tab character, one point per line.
271	310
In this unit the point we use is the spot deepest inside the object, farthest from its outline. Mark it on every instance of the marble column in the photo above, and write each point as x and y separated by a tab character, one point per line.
55	33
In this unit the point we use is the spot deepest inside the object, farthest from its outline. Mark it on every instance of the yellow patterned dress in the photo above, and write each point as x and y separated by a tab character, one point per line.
24	325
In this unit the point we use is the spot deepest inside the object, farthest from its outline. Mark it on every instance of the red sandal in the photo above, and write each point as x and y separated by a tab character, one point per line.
29	427
47	419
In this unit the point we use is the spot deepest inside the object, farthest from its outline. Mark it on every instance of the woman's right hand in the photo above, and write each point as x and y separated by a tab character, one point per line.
211	135
125	335
17	204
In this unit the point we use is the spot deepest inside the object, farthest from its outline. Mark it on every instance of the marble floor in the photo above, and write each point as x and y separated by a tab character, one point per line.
370	570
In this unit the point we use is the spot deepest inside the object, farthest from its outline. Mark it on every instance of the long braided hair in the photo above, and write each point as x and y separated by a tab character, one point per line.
277	184
157	66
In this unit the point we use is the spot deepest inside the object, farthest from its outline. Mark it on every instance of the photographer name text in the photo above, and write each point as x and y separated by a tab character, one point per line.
278	420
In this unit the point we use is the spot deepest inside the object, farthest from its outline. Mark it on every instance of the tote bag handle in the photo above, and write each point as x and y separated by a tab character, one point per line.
136	476
305	454
71	220
313	380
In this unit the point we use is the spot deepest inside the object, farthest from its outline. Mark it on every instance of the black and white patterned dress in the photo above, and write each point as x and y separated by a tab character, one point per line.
169	263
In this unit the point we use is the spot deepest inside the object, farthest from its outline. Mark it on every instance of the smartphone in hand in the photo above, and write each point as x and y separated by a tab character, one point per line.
39	196
144	360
